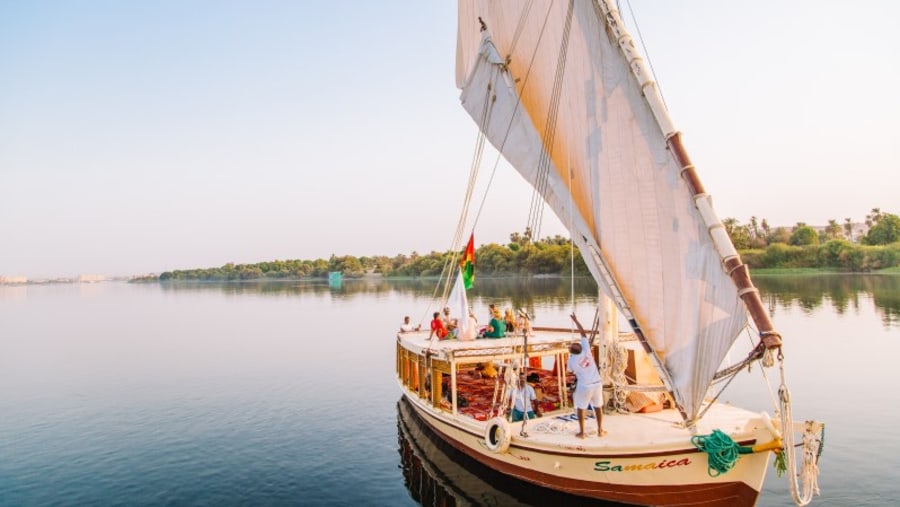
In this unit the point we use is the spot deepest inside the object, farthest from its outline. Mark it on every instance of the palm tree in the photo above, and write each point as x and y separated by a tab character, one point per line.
754	226
833	230
873	217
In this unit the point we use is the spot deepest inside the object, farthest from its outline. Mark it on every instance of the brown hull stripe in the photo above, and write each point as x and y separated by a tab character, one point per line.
728	494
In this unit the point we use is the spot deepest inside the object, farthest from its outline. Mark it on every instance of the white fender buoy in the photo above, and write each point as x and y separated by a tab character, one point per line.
497	435
769	424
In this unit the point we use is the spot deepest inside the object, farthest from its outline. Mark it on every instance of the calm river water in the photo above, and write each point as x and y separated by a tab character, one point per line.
284	393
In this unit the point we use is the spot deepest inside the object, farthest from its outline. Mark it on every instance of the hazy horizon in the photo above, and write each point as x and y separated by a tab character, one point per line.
142	138
478	244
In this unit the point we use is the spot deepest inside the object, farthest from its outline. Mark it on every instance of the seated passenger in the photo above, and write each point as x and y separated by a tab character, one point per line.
510	321
407	326
495	329
485	370
471	328
449	323
437	327
523	323
534	380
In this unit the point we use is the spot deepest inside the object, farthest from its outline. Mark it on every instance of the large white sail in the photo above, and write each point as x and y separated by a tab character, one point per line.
635	218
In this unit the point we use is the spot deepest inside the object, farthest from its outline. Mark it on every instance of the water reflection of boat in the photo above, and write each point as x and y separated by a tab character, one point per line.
435	474
432	476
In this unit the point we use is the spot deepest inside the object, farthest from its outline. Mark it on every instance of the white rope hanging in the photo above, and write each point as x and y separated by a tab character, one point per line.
808	476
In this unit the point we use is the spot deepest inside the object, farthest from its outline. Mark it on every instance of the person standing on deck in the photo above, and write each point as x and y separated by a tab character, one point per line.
589	389
523	396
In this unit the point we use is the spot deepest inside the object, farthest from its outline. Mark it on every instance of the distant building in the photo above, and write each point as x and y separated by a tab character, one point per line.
90	278
857	230
13	280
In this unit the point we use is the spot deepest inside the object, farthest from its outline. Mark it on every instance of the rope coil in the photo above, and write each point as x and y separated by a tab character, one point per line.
722	451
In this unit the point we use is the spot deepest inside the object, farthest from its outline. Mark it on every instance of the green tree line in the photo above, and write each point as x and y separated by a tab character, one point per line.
835	246
551	256
760	246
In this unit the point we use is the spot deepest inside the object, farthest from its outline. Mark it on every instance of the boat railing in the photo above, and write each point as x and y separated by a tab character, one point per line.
505	351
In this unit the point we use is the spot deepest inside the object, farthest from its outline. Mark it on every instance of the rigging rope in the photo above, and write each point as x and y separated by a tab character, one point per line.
536	213
519	27
452	260
571	241
516	109
618	377
534	216
728	374
526	326
646	53
803	484
812	449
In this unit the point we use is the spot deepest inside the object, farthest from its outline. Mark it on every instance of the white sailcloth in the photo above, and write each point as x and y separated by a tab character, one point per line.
634	216
459	304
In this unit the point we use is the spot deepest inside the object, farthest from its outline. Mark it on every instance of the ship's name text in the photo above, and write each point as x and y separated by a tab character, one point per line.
608	466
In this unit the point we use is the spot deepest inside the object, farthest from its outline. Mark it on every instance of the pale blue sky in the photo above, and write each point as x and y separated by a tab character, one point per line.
140	137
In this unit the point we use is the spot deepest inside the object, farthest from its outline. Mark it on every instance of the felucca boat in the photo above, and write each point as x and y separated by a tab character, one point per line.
561	91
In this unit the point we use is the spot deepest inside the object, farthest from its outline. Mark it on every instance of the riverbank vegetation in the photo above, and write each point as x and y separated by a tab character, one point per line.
521	256
846	247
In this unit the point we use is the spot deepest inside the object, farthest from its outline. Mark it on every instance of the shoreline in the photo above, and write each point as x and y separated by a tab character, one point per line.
759	272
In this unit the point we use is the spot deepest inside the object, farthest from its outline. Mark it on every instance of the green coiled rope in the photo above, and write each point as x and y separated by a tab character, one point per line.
722	451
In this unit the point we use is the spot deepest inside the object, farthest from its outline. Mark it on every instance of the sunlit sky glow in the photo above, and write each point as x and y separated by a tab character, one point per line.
140	137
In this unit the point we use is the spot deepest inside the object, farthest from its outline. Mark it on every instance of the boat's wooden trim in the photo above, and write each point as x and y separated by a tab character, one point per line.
726	494
557	452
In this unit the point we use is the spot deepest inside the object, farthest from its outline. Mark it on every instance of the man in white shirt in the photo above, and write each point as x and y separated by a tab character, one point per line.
406	327
522	395
450	323
589	389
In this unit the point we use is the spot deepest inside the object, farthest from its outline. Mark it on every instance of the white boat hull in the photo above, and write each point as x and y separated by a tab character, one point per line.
595	468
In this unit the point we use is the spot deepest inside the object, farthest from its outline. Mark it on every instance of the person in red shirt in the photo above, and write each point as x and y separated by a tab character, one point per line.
437	327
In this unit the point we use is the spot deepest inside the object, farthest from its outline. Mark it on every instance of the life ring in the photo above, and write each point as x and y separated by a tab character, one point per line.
497	435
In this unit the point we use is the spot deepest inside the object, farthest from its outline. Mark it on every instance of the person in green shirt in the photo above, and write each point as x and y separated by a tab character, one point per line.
496	328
